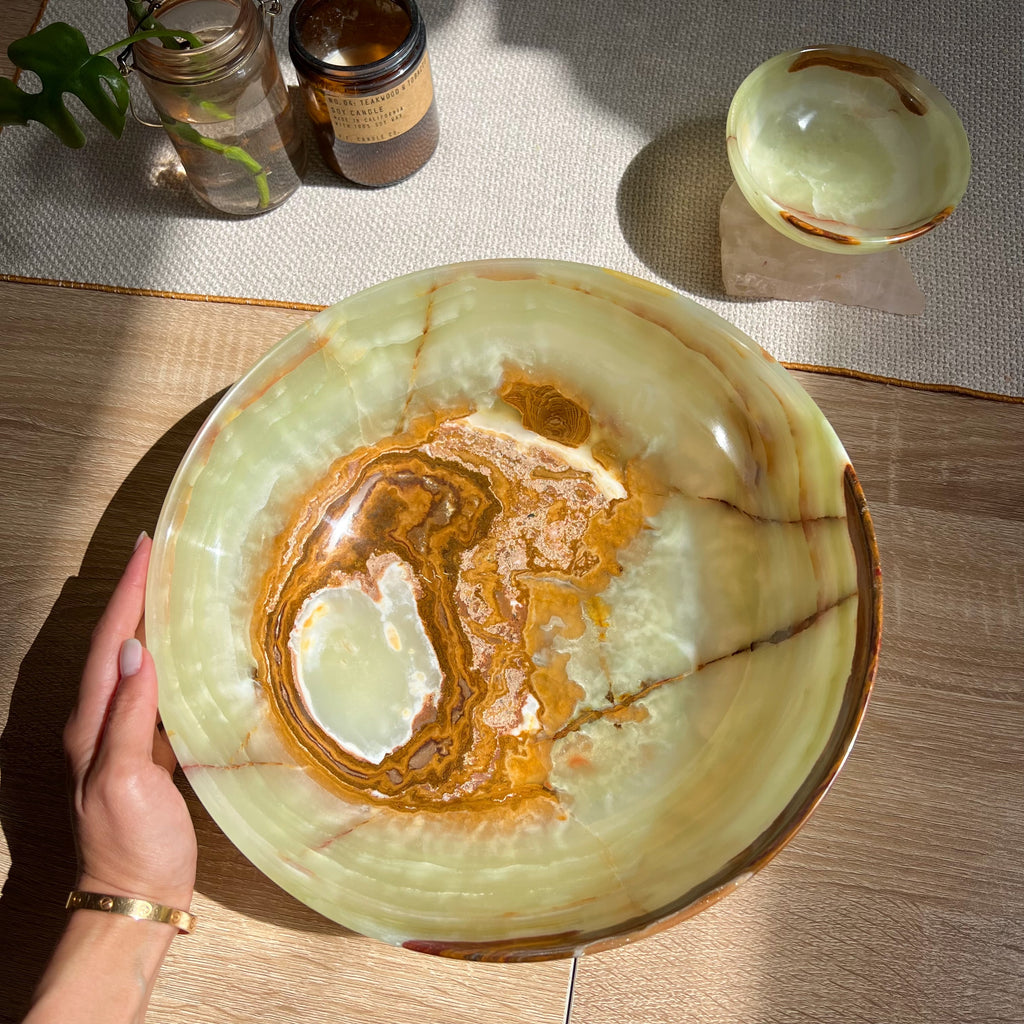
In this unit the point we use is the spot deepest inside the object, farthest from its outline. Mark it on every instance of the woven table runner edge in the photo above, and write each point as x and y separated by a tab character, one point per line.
836	371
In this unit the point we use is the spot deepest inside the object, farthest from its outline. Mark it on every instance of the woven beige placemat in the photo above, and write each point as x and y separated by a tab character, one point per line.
585	130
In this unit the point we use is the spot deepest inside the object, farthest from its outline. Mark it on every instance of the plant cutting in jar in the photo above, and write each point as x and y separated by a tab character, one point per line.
61	58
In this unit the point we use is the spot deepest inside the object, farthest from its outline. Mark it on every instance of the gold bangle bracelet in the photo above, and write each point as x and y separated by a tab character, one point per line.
139	910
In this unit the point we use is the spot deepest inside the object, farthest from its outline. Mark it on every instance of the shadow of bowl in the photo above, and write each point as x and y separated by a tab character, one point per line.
668	203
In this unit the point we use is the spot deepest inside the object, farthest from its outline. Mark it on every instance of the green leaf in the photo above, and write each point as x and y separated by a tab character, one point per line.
12	103
61	58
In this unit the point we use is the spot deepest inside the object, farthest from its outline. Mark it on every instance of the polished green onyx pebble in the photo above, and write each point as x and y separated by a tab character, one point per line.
846	150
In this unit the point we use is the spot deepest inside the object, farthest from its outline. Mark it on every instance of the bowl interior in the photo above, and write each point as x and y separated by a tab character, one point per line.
513	608
846	149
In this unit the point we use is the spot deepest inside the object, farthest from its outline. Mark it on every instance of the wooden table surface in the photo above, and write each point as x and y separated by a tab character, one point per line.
902	900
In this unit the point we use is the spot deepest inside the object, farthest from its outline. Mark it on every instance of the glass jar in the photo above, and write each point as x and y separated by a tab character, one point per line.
224	104
365	77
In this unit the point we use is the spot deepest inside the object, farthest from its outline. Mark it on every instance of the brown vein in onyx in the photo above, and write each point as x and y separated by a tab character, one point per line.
546	411
347	831
862	64
818	232
801	521
906	236
779	636
459	511
241	764
894	239
427	321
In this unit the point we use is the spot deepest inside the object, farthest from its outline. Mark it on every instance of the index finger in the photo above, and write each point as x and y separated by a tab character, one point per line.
119	621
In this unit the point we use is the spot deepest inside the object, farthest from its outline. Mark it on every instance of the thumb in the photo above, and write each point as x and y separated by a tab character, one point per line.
132	717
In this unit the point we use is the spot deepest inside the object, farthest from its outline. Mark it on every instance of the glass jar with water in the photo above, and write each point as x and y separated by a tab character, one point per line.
224	104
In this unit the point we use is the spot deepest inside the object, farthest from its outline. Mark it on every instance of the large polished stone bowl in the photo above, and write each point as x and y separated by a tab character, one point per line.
846	150
512	609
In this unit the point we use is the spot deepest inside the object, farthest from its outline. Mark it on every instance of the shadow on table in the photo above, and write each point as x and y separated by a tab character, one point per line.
668	204
34	807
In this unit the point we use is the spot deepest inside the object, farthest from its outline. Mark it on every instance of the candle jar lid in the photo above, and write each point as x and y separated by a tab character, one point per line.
375	45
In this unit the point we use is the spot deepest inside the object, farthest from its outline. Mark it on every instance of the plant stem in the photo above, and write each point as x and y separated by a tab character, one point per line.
194	42
140	12
235	153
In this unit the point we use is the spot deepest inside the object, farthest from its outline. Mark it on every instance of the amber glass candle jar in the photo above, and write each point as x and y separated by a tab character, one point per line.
365	77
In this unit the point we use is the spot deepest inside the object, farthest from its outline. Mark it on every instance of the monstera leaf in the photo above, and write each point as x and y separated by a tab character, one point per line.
61	58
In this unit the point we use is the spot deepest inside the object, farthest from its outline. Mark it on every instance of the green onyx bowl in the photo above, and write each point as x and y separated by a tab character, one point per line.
513	609
846	150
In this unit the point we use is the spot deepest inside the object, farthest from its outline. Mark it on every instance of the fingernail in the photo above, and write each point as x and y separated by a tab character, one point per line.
141	538
130	659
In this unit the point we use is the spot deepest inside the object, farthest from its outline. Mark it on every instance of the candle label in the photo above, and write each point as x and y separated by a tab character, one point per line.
385	115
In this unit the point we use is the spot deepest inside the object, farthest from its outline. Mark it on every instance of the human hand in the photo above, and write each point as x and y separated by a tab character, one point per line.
134	832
